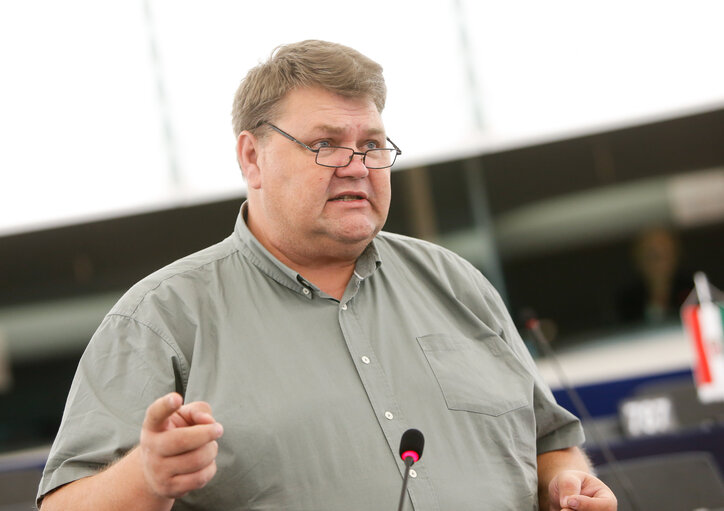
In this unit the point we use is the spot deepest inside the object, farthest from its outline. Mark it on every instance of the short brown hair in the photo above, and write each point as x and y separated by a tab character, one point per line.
310	63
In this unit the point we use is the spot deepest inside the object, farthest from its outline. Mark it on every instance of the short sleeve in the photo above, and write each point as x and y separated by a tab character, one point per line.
126	366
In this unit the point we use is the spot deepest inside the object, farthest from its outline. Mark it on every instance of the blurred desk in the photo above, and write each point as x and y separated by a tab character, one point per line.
708	438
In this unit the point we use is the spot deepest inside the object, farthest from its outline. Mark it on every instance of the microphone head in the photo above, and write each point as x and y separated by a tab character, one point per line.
529	318
411	444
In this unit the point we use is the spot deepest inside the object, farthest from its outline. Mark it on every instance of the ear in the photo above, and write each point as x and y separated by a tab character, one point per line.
247	154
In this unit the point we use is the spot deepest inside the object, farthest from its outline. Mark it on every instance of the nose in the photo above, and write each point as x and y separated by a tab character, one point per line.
356	169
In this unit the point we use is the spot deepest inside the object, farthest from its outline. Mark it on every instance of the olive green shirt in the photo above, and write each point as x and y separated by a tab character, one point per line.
315	393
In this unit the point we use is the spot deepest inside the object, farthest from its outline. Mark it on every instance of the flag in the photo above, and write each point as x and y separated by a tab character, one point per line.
704	325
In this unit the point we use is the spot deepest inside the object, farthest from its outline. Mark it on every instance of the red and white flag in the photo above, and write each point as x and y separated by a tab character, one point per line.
704	325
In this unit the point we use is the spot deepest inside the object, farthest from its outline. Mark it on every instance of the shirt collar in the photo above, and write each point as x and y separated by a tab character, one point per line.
252	249
368	262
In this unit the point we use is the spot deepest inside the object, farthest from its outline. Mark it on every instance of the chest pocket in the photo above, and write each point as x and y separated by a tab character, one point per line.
481	376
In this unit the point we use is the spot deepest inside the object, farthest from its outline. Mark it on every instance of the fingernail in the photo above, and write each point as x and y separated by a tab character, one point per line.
219	429
572	503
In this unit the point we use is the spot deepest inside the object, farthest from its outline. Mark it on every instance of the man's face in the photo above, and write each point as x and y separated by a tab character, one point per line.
312	209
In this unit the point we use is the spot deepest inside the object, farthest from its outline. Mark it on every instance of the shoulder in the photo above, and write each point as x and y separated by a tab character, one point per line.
405	244
183	278
422	255
453	276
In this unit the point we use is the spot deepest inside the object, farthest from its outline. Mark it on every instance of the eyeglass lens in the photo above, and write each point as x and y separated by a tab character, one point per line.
342	156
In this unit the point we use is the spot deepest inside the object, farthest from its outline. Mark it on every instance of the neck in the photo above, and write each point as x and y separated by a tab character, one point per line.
330	270
330	275
331	281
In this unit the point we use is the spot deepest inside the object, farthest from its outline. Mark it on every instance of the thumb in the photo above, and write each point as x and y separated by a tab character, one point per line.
584	503
198	412
160	410
569	485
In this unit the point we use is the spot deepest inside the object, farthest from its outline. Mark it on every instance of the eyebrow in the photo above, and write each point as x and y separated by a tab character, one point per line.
336	130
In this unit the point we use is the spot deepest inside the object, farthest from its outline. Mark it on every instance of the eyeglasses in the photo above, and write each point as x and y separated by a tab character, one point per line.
337	157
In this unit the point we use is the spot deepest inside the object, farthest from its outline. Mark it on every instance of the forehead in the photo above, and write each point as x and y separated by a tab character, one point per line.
322	110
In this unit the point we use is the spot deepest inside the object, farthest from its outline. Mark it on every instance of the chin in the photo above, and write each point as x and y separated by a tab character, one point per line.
359	235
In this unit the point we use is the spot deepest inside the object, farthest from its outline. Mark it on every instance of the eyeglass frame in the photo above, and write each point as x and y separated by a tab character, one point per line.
398	151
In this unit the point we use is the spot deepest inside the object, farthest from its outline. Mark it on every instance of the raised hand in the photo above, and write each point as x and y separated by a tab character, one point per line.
178	446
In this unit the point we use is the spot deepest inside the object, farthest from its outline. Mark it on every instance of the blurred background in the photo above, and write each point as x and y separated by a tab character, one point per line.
573	151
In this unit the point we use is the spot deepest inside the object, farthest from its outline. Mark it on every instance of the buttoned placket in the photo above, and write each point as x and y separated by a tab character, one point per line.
385	407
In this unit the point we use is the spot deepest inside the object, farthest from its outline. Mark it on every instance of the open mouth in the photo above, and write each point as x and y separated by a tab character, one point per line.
347	198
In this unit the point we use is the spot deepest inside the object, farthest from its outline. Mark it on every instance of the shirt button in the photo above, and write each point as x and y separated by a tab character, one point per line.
366	359
389	415
413	473
305	291
344	306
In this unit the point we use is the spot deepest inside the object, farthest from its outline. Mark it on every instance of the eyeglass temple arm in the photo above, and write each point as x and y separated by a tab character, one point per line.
287	135
397	149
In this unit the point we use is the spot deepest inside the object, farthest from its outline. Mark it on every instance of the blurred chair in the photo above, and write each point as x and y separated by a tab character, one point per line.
18	489
20	473
673	482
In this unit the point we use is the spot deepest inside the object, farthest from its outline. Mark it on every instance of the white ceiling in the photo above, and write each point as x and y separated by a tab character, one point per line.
91	125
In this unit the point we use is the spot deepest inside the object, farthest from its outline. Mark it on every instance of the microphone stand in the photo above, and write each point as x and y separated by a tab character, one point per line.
408	464
533	326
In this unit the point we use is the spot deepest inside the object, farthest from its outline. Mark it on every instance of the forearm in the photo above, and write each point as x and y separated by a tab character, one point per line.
553	462
120	487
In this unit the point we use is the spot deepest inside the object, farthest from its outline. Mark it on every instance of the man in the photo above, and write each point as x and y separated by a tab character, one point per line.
317	341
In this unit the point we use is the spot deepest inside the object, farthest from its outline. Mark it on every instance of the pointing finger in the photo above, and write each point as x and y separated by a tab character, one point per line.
160	410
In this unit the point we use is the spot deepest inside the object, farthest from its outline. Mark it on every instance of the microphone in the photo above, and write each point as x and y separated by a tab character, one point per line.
411	445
